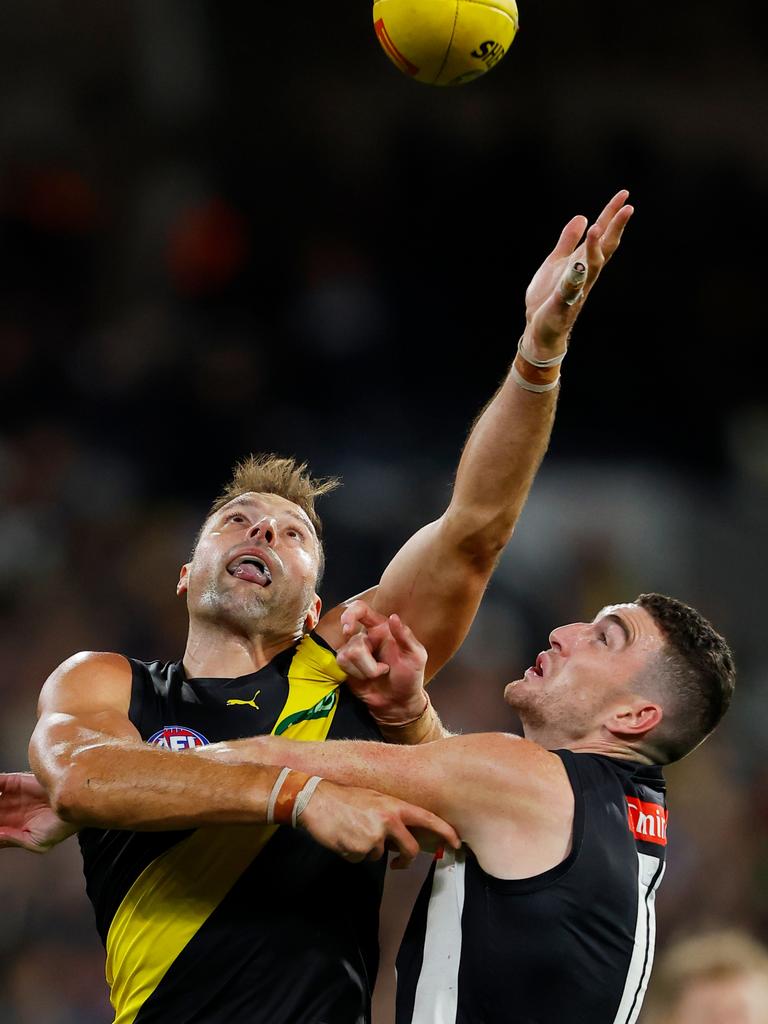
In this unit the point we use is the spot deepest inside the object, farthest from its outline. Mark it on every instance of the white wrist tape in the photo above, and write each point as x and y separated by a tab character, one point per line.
305	795
274	794
543	363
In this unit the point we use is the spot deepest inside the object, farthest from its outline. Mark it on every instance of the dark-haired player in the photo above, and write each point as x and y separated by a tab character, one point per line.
546	915
209	913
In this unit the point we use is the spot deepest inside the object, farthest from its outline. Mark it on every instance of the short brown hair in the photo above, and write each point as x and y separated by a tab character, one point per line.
284	476
695	672
712	956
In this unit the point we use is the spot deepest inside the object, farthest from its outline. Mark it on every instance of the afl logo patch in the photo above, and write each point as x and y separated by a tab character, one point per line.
177	737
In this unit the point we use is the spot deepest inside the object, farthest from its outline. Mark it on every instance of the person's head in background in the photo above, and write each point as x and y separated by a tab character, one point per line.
717	978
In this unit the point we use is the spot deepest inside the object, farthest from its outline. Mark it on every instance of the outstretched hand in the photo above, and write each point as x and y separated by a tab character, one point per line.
384	663
562	283
26	818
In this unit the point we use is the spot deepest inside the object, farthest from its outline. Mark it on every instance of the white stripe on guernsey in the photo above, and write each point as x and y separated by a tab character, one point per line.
649	876
437	992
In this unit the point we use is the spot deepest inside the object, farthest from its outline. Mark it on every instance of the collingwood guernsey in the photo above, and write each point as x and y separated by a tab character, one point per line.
573	945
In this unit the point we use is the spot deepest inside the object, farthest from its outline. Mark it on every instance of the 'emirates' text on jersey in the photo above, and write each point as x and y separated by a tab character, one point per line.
237	924
574	944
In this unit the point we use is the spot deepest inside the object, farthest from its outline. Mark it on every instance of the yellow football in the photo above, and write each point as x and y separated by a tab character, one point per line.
445	42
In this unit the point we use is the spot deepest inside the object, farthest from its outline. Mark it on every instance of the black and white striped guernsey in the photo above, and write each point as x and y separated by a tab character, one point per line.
574	944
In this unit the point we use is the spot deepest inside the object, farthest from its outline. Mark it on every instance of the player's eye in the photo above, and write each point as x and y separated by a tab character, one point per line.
235	517
293	532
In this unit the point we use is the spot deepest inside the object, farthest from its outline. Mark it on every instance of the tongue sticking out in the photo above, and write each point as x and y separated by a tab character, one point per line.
251	573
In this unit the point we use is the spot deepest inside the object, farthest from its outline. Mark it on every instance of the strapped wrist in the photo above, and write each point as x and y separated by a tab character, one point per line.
415	730
532	374
284	797
402	725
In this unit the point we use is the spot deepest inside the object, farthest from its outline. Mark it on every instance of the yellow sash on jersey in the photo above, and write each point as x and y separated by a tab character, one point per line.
175	894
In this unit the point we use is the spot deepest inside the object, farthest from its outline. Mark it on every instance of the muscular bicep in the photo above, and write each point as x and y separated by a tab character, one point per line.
84	701
435	585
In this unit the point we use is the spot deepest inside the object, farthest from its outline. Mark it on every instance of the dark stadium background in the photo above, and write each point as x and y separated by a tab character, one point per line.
235	227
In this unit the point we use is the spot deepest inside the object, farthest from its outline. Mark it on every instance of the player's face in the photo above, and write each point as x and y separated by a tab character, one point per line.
255	567
586	672
740	999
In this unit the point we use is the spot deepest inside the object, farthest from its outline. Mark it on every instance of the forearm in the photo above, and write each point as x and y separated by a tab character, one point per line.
425	776
380	766
138	787
497	467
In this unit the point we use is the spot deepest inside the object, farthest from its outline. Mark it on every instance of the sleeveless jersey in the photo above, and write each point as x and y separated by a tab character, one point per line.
572	944
235	924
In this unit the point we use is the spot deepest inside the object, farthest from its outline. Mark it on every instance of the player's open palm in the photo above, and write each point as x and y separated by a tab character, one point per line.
563	281
385	665
26	819
361	824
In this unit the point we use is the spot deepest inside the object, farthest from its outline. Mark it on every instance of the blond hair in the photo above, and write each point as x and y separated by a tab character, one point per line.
714	956
284	476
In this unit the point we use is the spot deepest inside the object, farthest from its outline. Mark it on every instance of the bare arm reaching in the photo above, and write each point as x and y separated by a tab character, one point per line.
436	581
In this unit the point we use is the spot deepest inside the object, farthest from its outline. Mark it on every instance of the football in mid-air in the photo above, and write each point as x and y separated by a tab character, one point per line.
445	42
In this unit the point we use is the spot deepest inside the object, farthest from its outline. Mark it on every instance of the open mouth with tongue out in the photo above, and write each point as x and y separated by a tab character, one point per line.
252	569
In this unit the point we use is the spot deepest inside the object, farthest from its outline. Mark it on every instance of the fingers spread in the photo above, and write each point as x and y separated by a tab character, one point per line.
614	231
570	236
611	209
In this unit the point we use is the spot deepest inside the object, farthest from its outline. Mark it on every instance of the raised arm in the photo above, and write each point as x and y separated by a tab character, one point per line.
436	581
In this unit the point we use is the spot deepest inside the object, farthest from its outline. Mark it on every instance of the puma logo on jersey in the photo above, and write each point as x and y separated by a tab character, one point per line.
251	703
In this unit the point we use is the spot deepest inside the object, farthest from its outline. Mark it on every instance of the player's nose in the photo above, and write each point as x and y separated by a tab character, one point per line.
264	530
563	638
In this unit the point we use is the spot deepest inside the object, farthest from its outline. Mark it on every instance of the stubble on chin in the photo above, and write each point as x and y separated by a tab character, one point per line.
248	612
229	607
525	706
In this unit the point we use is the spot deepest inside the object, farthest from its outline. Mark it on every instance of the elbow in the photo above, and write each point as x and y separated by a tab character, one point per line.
480	539
66	796
71	793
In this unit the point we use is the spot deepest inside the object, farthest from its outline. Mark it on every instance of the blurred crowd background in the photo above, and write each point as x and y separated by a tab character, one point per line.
236	227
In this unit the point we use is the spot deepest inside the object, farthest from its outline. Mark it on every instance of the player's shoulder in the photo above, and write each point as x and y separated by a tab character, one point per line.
92	673
507	746
88	662
515	765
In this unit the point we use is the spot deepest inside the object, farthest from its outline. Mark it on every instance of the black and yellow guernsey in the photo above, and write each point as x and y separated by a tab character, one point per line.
236	924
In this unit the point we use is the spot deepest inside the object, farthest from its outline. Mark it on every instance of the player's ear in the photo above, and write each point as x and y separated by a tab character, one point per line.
313	614
633	721
183	585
